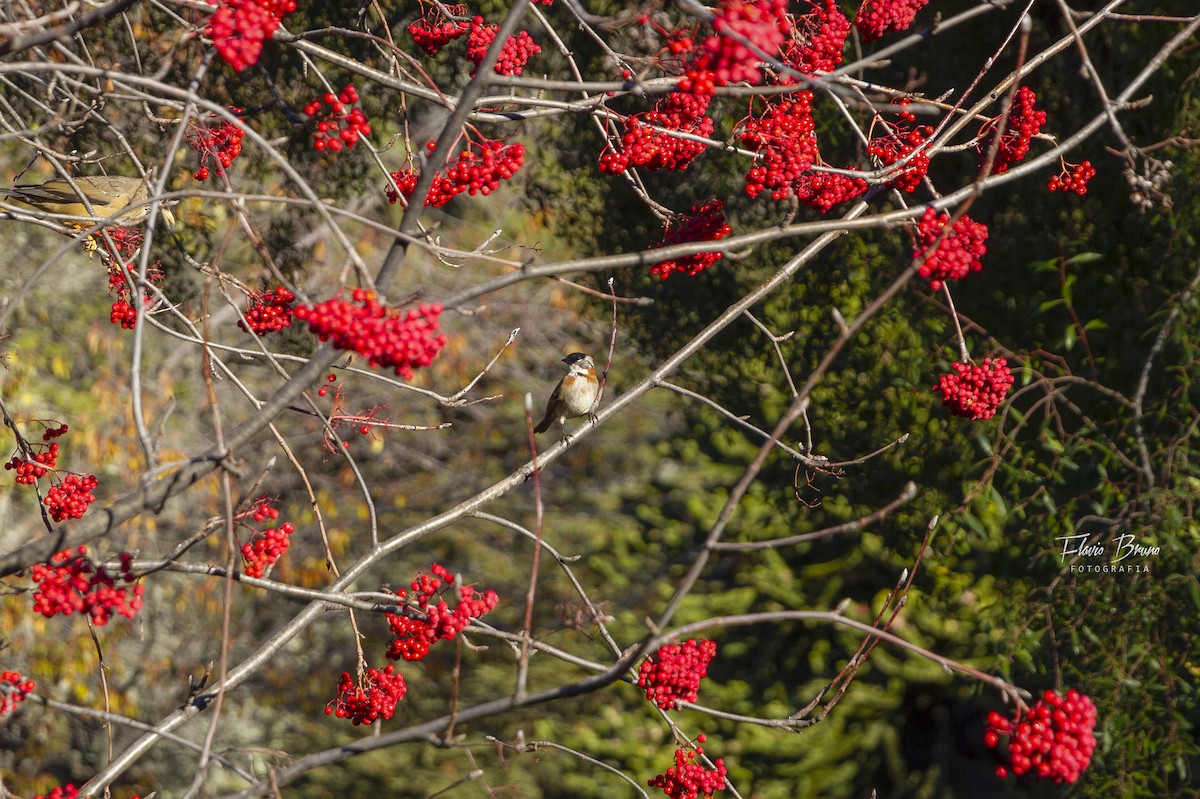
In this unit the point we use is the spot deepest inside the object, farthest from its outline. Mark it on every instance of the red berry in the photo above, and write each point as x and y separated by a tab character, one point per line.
645	145
673	673
975	392
222	143
1024	122
688	779
384	336
269	312
433	621
240	28
14	692
958	253
725	56
705	223
877	17
513	56
375	697
70	583
1055	742
472	172
816	40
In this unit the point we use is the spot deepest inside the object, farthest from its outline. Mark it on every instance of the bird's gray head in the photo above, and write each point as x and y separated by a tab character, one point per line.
578	361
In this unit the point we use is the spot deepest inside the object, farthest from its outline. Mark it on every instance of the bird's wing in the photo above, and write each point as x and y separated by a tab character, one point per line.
55	192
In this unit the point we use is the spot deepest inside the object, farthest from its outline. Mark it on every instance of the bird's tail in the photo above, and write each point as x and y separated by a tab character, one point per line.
544	425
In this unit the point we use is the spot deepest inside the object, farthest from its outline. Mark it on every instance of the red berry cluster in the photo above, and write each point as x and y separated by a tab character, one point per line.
67	791
323	390
817	40
956	255
648	141
376	697
513	56
221	144
1055	741
782	136
261	554
126	241
123	314
762	23
699	82
434	30
240	28
821	191
1024	122
45	457
1076	180
688	779
385	336
680	57
71	498
121	274
29	471
897	145
412	637
877	17
338	126
13	690
705	223
70	583
673	673
472	172
975	392
269	312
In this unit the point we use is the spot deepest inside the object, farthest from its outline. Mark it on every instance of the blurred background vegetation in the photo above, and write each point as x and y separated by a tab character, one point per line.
1076	292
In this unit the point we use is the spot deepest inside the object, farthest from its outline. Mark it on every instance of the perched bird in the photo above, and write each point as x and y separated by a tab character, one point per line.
108	196
574	395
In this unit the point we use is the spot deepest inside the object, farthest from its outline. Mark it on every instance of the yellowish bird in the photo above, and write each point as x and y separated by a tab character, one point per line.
108	197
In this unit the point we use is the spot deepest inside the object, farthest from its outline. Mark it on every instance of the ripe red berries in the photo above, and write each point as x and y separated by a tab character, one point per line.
385	336
473	172
1075	181
705	223
28	471
975	392
261	553
513	56
70	583
71	494
14	692
896	146
413	635
433	30
376	697
957	254
240	28
817	40
70	498
269	312
726	56
1024	122
337	125
688	779
222	144
783	138
648	141
1054	741
877	17
673	673
427	620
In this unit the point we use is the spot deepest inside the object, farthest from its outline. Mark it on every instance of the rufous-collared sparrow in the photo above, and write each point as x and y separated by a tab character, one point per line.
574	395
